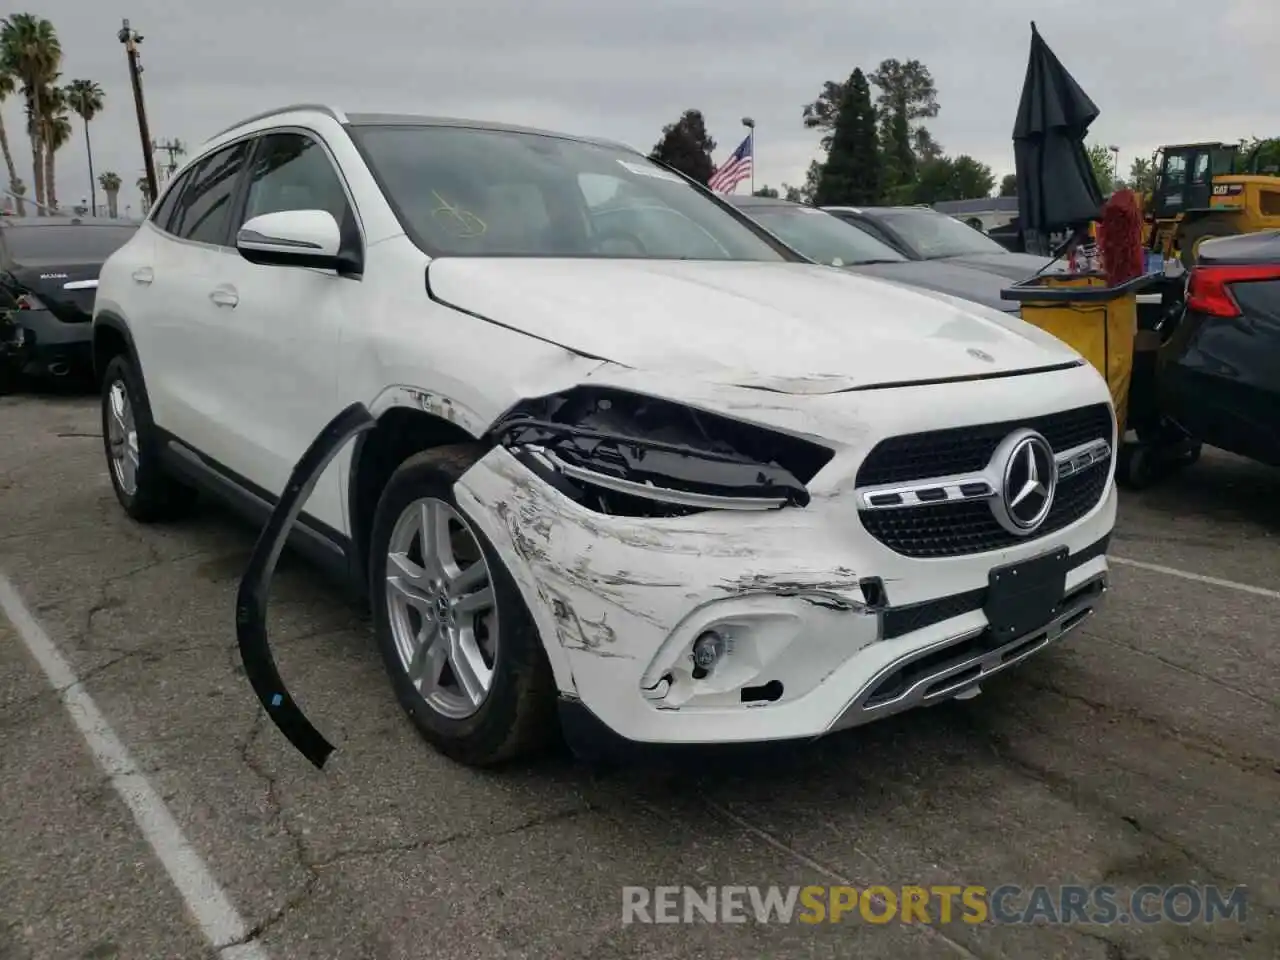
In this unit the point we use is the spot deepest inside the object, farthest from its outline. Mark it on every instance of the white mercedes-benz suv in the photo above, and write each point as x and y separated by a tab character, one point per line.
639	471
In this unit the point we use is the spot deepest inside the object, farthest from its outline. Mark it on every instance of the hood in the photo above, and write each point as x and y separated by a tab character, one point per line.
68	290
791	327
944	276
1012	266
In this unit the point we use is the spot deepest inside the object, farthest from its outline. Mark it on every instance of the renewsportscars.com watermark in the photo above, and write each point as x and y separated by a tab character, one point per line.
1007	904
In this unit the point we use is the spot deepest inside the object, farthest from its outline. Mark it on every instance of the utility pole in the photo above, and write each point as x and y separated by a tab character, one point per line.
175	149
131	38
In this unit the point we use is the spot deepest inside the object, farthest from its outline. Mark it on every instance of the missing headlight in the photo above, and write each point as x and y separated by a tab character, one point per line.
627	454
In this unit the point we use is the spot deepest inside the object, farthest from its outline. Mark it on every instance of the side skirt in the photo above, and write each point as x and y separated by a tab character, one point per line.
319	543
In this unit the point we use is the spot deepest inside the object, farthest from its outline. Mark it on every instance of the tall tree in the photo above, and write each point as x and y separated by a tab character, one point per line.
30	50
851	174
8	85
54	135
1142	175
144	188
907	95
109	180
1103	162
85	98
687	146
1009	185
907	88
821	114
953	178
898	159
924	144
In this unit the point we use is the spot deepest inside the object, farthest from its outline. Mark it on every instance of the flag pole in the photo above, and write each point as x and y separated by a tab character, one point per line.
751	126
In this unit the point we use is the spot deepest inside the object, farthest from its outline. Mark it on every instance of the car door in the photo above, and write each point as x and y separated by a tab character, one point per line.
186	320
283	337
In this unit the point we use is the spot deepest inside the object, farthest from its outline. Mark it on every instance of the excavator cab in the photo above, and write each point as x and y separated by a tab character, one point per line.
1185	175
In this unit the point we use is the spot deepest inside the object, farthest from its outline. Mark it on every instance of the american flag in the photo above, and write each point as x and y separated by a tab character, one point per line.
734	170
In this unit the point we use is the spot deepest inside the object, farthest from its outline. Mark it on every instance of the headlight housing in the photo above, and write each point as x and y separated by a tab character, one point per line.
628	454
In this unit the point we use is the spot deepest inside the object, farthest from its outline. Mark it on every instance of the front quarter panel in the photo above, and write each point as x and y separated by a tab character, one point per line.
410	350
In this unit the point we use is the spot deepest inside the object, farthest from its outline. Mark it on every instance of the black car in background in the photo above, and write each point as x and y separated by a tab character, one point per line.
1220	370
924	234
826	239
48	281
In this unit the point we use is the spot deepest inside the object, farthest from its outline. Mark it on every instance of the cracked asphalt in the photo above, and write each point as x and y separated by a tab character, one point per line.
1146	750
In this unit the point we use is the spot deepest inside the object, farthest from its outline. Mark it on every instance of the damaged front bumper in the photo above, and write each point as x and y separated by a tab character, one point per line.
738	626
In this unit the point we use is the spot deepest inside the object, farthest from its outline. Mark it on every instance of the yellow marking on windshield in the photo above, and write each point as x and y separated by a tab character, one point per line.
470	225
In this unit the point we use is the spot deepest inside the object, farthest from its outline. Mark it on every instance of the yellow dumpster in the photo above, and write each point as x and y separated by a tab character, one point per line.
1097	321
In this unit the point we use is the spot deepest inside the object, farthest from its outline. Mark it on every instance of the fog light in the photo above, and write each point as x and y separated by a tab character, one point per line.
707	651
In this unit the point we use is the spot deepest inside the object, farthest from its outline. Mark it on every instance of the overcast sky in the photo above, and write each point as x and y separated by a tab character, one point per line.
622	71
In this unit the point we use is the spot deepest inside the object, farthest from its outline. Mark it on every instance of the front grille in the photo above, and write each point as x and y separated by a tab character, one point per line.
964	527
941	453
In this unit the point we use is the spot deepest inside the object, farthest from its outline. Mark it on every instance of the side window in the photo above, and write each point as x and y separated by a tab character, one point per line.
292	172
1201	172
205	206
163	213
1175	170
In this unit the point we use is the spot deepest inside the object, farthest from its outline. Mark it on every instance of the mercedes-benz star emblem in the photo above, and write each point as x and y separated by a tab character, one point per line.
1029	480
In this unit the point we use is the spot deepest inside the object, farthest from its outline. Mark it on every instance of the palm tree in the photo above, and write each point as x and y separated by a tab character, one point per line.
8	85
30	51
144	188
110	183
56	132
85	98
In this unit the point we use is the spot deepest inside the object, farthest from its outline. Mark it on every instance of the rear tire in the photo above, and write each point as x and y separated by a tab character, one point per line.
146	492
516	715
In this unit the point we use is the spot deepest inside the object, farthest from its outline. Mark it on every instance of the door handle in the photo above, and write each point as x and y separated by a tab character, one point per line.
144	275
224	297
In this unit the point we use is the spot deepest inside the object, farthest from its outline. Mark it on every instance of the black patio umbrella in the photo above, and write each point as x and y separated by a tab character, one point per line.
1057	189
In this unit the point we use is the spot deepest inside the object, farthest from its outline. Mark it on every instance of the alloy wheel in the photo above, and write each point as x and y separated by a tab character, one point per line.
122	438
439	595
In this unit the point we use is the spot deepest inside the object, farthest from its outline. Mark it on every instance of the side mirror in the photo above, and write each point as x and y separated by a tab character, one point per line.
292	238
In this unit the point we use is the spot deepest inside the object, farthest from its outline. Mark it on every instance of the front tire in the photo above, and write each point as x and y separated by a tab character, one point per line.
144	490
461	650
1195	233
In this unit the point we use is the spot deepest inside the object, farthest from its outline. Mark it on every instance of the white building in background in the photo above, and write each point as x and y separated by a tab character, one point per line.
986	213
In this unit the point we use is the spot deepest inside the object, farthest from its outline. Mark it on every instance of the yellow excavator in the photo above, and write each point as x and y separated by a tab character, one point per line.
1206	190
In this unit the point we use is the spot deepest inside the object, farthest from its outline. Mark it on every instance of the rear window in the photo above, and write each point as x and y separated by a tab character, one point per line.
69	243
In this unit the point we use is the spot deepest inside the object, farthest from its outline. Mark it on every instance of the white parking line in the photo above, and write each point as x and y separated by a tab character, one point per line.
219	920
1197	577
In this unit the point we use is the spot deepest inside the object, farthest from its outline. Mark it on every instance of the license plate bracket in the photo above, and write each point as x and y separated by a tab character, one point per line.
1022	597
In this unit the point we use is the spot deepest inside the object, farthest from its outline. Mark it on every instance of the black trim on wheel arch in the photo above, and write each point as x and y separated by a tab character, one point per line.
113	321
251	600
319	542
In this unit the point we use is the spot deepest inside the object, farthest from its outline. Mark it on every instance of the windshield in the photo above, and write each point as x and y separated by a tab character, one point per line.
65	243
822	237
934	235
492	193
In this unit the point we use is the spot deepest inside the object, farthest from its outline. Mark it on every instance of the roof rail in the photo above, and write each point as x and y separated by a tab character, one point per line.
333	112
